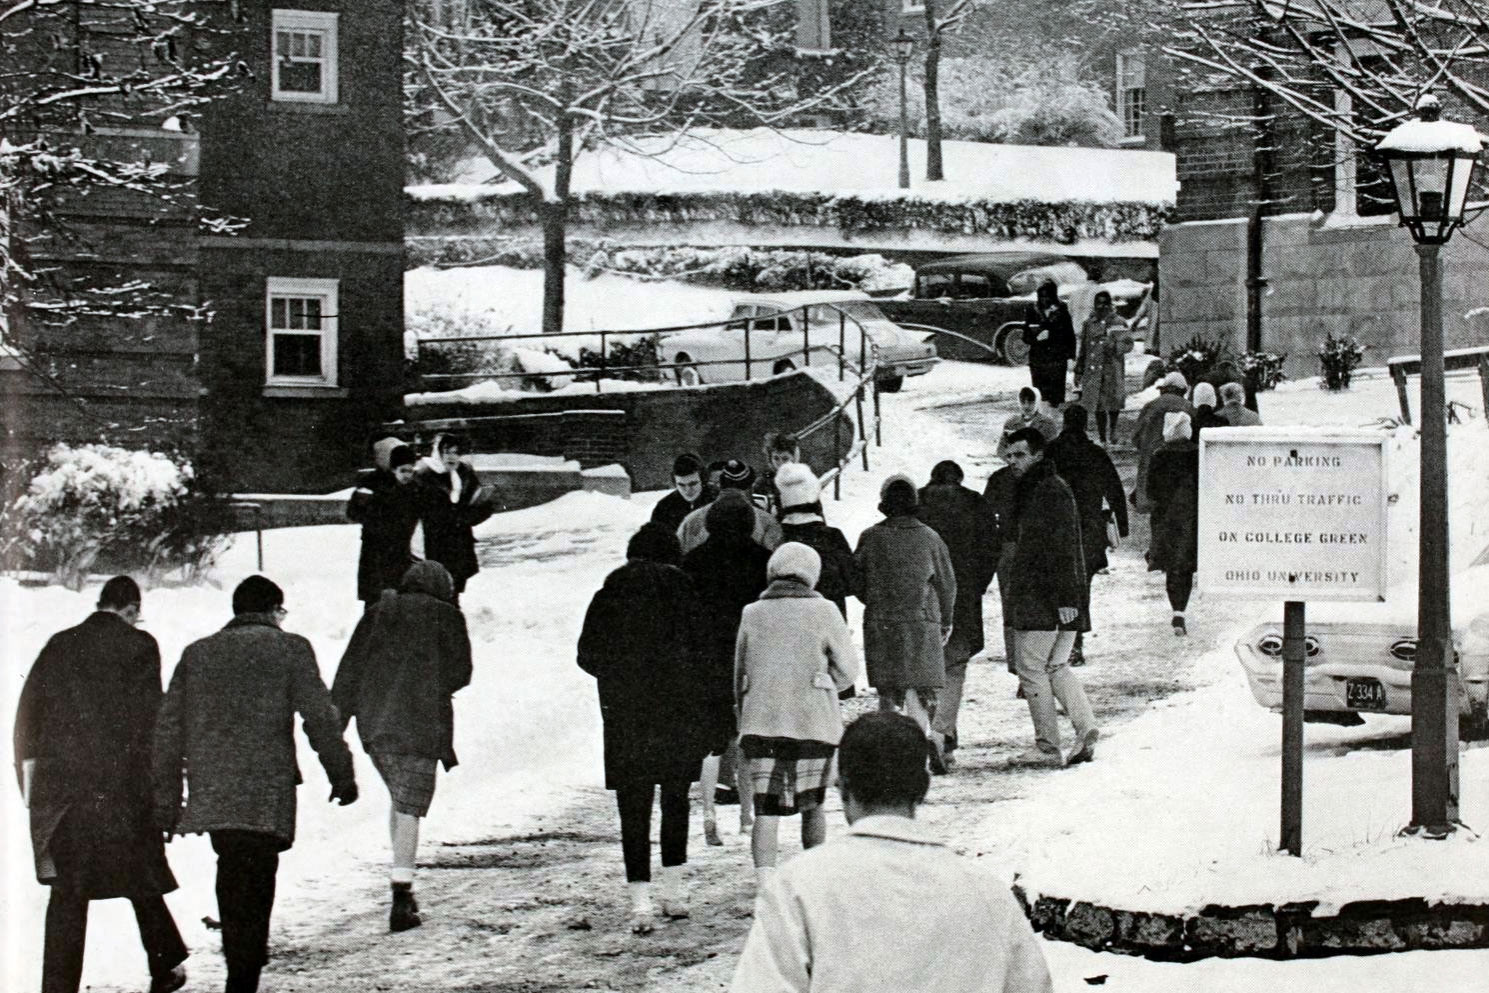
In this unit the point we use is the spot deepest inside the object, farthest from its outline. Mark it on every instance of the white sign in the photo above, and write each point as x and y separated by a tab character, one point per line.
1290	515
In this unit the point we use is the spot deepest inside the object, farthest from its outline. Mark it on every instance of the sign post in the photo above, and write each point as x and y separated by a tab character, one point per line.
1295	515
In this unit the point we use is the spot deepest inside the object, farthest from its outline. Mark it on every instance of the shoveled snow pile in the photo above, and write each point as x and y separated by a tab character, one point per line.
507	391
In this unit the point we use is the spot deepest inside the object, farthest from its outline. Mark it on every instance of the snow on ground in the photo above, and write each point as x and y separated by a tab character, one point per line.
816	161
1179	801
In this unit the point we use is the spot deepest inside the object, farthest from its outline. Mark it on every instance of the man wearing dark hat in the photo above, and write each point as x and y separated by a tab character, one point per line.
734	475
228	724
82	748
388	502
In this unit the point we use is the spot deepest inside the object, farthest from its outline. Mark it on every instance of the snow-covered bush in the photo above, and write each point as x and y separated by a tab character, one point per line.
752	269
121	509
1263	369
1195	358
437	362
1338	356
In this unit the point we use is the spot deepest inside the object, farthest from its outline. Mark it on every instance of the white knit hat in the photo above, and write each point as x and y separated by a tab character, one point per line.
1174	381
797	485
1176	427
1204	395
793	560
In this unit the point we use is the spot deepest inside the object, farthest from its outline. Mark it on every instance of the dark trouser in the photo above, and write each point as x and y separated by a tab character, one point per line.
635	804
1106	424
247	862
1049	379
67	928
1179	586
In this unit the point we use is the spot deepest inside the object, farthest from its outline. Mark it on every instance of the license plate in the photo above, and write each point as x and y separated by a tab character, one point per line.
1365	694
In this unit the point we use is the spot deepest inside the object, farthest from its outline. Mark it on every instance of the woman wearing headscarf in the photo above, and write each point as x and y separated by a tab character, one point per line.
728	573
792	658
908	587
387	502
457	504
1100	366
1051	340
802	520
1205	409
1173	490
407	657
638	642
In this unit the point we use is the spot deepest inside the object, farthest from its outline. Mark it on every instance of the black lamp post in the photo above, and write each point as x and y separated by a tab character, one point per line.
1430	162
901	47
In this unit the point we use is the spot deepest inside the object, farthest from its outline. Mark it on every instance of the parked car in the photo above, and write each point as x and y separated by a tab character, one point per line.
787	331
1359	656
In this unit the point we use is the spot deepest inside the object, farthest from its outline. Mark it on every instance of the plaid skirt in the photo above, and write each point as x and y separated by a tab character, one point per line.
788	776
410	781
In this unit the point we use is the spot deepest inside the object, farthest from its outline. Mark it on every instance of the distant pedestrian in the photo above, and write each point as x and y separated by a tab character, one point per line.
780	449
1173	490
999	494
908	587
802	520
1233	409
1093	480
1227	371
388	504
1101	366
1148	435
1034	413
457	504
1051	340
407	657
639	642
689	492
83	733
1205	415
227	725
740	478
966	524
728	573
889	907
794	655
1048	597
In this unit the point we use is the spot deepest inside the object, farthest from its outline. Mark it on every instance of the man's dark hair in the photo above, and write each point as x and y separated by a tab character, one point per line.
947	473
257	595
654	543
881	760
1027	395
118	593
1030	437
686	464
456	441
781	441
1076	418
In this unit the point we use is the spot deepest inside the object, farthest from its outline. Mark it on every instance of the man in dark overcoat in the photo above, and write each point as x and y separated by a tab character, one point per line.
1047	595
82	749
228	724
388	502
1093	479
965	523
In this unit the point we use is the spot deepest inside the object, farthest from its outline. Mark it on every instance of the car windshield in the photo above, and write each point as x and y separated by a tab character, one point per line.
863	310
1062	273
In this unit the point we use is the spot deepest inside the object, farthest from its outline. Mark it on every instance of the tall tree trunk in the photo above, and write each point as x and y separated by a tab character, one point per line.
933	168
555	229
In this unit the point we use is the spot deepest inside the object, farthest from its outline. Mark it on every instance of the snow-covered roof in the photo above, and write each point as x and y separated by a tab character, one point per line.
1432	138
835	161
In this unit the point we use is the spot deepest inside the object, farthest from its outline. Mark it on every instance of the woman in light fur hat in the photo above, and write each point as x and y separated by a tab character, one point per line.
1173	490
802	520
792	658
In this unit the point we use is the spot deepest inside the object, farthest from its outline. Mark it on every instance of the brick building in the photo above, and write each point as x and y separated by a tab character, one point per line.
297	349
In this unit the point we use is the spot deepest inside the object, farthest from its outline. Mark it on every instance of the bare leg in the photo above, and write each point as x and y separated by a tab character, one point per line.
706	786
764	845
746	791
916	711
405	831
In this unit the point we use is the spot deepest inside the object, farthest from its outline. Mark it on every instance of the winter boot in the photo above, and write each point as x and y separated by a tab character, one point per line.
674	892
242	980
1179	628
169	981
405	913
642	911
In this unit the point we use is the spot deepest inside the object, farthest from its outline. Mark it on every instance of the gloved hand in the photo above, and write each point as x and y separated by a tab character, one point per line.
344	793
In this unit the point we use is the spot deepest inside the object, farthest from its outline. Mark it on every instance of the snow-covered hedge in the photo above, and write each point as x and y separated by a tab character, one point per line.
753	269
851	213
122	509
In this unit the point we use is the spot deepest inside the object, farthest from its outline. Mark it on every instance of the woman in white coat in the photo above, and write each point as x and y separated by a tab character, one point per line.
792	658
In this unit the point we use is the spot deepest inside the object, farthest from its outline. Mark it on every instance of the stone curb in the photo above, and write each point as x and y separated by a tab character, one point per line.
1282	931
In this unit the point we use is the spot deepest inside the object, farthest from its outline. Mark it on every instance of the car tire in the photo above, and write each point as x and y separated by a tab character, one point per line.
891	384
782	365
687	375
1474	726
1010	344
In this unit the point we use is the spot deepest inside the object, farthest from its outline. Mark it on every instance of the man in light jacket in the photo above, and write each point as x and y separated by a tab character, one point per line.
819	923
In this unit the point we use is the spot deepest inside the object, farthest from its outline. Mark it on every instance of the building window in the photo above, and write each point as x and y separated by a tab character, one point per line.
304	56
1132	93
301	320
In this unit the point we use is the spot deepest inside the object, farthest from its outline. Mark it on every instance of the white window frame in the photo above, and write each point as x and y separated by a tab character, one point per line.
324	23
329	292
1124	74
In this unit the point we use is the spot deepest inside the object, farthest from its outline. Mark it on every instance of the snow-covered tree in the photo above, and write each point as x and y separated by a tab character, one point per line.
74	72
534	84
941	19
